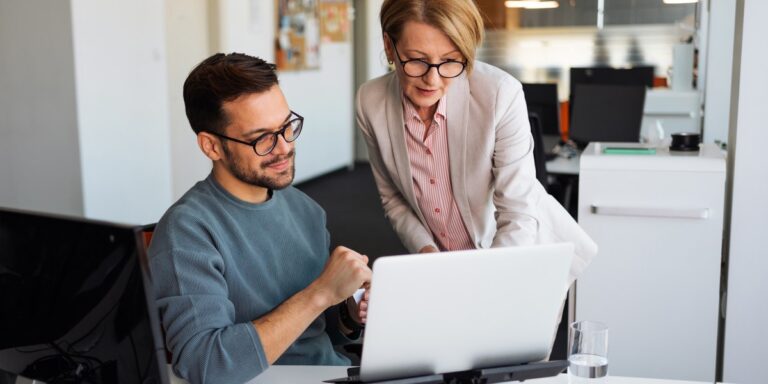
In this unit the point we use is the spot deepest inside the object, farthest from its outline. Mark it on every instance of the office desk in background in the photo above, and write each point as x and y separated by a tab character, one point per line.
565	172
304	374
562	166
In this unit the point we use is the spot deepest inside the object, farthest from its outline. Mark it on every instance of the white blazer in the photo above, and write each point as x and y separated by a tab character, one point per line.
490	149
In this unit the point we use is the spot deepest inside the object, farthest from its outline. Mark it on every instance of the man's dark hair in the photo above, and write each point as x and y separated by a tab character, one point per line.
221	78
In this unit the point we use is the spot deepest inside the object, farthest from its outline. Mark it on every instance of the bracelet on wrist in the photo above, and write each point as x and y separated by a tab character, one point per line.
346	318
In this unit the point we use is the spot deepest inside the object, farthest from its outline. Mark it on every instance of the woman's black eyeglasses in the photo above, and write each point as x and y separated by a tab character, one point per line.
418	67
265	143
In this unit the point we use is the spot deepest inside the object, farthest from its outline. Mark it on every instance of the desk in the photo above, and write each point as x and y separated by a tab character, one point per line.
566	172
562	166
303	374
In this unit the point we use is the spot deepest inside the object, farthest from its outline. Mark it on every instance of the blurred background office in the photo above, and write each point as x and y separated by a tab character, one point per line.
92	119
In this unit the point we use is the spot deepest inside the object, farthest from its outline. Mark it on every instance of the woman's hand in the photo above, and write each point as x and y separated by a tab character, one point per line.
428	249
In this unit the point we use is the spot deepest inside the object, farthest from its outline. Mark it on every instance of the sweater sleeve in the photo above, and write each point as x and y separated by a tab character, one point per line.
199	319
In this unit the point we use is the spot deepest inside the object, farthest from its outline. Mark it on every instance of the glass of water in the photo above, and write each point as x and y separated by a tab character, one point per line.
588	353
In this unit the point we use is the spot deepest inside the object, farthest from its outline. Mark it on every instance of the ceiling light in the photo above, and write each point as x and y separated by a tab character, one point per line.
531	4
680	1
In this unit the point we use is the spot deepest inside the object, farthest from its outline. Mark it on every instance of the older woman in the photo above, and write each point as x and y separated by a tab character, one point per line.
449	140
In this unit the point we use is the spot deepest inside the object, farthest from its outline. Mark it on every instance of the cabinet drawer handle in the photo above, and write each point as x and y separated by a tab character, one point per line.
681	213
671	114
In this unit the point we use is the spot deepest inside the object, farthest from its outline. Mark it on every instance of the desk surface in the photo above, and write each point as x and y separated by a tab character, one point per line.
562	166
304	374
559	165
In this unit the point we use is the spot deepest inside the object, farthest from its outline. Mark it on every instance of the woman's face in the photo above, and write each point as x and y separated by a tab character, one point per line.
427	43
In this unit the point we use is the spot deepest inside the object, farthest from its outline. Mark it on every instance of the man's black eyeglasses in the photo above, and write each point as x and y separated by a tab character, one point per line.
418	67
265	143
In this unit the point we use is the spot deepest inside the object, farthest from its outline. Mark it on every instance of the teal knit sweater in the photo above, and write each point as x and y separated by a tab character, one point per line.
217	263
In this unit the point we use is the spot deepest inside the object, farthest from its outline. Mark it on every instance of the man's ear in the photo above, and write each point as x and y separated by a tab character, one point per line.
210	145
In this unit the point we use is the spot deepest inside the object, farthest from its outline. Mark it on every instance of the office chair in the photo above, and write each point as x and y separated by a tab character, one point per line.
554	186
541	100
146	233
539	156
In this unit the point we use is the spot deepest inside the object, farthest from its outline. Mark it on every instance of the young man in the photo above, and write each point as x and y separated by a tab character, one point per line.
240	264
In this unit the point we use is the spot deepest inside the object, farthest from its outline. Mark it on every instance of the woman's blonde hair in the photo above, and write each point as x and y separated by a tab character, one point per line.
458	19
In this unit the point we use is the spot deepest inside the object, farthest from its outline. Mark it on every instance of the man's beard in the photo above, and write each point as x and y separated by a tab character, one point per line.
259	177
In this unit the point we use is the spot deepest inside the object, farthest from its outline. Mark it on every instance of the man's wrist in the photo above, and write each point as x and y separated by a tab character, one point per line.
346	319
318	297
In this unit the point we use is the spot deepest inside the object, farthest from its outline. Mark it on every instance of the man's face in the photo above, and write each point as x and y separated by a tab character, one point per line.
251	116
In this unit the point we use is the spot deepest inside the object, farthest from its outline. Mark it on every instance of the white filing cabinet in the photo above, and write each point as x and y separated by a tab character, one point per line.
658	221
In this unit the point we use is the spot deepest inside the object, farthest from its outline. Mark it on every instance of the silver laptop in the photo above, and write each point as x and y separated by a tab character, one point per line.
454	311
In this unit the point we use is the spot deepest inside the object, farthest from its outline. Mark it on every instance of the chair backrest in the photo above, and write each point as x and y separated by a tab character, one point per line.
541	99
538	150
147	232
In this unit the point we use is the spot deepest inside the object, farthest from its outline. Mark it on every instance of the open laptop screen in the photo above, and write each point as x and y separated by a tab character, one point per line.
454	311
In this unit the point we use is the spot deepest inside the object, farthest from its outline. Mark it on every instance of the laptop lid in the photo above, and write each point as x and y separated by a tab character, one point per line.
454	311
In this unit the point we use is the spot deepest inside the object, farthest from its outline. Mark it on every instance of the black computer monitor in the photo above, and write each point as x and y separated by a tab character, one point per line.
611	113
544	104
73	302
640	75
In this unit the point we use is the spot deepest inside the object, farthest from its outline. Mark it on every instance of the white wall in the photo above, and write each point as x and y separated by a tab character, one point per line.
246	26
187	37
39	153
746	335
198	28
324	96
122	108
719	66
376	60
371	62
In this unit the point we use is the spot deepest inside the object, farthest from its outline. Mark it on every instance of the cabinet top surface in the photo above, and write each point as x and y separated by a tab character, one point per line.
709	158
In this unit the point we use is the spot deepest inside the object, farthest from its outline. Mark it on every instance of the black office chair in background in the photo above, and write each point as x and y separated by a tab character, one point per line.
542	101
552	185
538	150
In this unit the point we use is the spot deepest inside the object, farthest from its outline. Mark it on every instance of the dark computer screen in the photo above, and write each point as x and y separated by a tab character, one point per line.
73	303
641	75
610	113
543	103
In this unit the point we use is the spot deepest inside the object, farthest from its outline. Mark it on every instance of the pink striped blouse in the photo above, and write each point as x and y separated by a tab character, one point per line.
428	155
